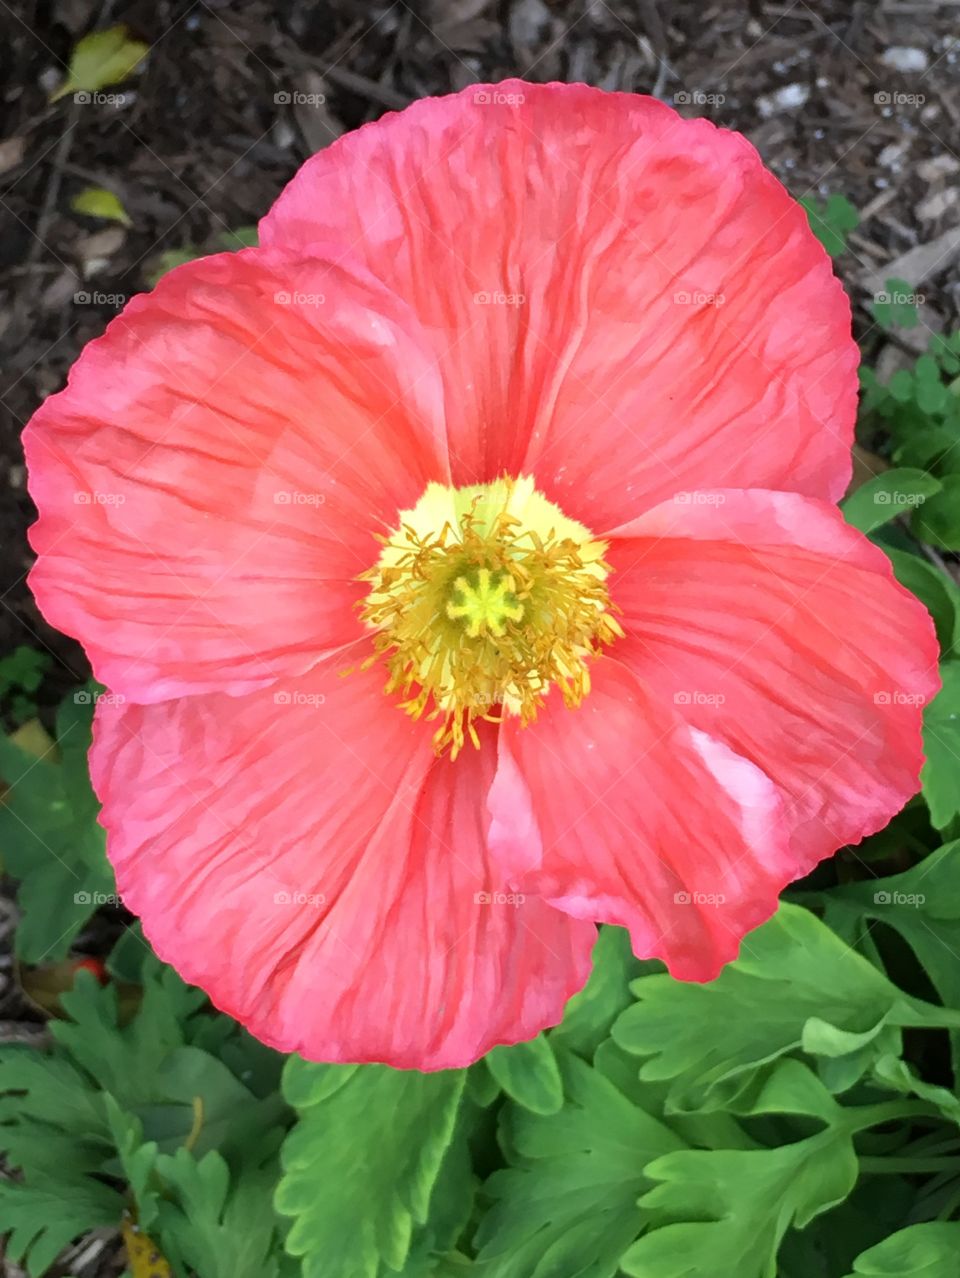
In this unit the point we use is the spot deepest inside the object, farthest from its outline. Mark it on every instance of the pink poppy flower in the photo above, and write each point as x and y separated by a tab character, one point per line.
464	568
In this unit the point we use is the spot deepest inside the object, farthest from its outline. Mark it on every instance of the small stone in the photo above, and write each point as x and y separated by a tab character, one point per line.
904	58
789	98
938	166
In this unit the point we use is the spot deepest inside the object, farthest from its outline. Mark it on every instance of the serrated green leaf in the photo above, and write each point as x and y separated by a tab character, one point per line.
589	1016
569	1206
138	1160
725	1212
922	904
217	1225
45	1214
100	59
355	1185
929	1250
529	1074
49	836
708	1039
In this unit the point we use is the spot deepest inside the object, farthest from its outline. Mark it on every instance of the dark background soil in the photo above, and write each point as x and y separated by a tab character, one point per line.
204	141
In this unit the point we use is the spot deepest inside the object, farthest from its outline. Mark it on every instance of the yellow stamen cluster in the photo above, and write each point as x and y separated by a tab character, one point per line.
482	599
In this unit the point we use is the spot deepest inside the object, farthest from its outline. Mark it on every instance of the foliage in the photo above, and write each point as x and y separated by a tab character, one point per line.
100	59
831	221
21	674
796	1116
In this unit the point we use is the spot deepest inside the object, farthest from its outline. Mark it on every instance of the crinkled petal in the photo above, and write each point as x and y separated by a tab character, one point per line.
210	481
642	821
624	303
767	621
301	855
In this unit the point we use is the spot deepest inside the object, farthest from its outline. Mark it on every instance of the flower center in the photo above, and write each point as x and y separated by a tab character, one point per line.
483	598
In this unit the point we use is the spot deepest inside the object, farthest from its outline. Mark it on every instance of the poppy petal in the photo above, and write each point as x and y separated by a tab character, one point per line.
768	622
624	303
643	821
345	906
210	481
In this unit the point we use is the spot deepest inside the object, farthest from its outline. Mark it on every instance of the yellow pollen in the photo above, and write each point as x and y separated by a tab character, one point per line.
483	598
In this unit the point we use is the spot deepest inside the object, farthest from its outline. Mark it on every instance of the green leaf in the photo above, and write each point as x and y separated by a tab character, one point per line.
355	1184
937	522
929	1250
124	1060
895	306
529	1074
934	589
895	492
898	1076
100	59
23	668
725	1212
589	1015
240	237
922	904
217	1225
96	201
138	1160
451	1201
941	742
709	1039
49	835
831	221
44	1215
569	1205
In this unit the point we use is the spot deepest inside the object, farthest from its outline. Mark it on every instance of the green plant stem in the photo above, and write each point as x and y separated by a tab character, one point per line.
864	1116
879	1166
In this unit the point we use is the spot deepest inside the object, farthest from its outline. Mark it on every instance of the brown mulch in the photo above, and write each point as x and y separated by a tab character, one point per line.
206	136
